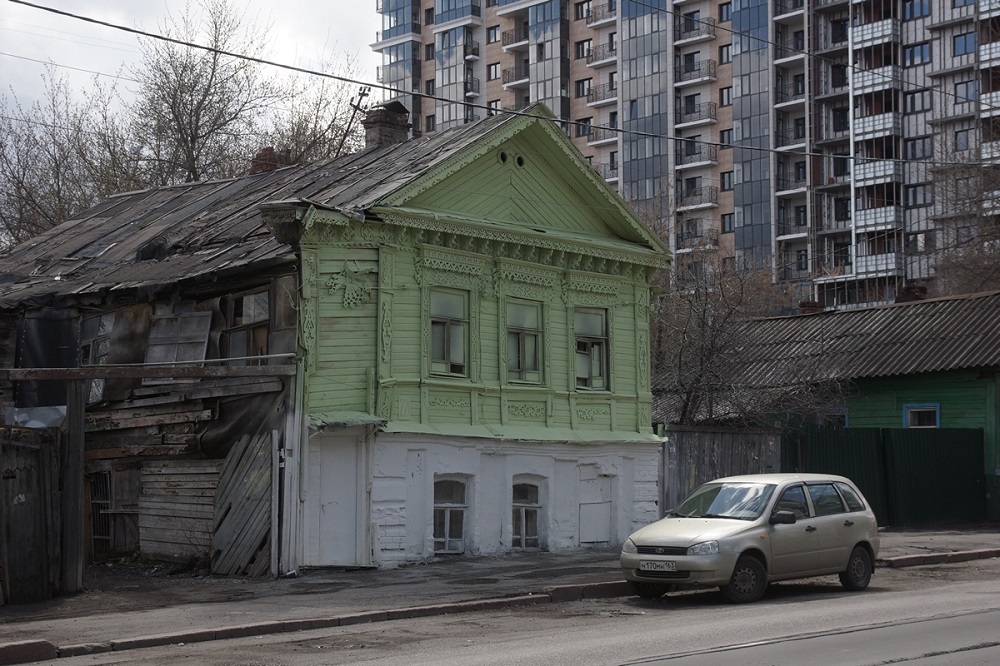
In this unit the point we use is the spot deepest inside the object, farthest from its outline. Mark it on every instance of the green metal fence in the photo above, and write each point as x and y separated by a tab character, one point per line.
912	478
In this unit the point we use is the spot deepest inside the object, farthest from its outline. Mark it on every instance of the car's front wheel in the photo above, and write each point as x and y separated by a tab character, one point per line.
859	570
748	582
649	590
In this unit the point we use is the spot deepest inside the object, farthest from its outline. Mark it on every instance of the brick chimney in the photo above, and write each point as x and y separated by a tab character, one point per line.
385	125
268	159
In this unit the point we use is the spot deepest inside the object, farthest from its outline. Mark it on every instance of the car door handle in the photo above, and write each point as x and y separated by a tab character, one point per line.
810	529
848	523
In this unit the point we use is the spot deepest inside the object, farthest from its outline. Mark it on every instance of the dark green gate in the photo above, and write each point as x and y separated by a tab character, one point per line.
912	478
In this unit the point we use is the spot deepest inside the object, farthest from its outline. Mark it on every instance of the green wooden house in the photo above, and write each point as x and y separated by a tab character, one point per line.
475	329
926	364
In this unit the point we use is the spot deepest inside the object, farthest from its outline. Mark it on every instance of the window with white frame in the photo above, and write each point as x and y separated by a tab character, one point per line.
449	331
524	341
450	509
526	508
591	331
922	415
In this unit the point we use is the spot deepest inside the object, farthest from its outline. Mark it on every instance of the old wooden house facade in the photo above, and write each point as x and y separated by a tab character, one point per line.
435	346
916	367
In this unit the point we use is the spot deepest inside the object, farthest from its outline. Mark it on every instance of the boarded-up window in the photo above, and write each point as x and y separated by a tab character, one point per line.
248	318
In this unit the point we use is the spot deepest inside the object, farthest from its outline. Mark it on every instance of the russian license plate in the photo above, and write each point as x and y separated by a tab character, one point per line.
646	565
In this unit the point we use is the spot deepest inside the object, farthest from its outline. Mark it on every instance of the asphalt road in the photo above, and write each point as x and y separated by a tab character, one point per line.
927	616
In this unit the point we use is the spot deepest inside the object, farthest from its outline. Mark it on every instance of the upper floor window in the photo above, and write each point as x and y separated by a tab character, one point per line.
838	31
248	318
917	54
492	34
590	326
581	10
966	91
583	48
524	341
964	44
95	343
725	12
726	96
583	87
449	330
922	415
916	9
917	101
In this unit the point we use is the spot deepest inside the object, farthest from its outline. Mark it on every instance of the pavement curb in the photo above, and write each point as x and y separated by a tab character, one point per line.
940	558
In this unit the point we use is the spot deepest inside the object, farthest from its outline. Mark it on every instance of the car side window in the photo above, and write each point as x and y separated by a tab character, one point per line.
825	499
850	496
794	500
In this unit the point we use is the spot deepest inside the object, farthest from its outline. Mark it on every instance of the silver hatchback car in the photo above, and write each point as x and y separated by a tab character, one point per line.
742	532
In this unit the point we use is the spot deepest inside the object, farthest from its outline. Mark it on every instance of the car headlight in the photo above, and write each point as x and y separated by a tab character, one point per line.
704	548
629	547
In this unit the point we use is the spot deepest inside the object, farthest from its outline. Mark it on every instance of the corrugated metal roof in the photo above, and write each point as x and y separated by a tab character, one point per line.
163	235
934	335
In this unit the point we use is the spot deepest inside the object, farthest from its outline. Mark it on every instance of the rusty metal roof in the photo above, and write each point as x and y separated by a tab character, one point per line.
954	333
163	235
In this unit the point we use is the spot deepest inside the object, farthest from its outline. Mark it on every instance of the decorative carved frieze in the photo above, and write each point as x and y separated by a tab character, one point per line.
357	289
526	410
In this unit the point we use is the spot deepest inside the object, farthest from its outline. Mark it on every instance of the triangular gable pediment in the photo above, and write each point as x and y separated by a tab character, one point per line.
526	175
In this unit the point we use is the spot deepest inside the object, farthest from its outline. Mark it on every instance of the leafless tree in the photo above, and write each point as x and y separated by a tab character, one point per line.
196	113
43	172
700	319
965	245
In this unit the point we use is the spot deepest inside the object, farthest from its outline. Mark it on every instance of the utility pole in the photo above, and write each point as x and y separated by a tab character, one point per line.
356	106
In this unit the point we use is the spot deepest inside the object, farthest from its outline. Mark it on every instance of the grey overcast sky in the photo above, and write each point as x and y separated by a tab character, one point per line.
302	31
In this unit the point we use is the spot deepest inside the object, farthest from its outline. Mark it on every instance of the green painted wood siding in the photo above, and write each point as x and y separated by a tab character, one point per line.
368	347
966	399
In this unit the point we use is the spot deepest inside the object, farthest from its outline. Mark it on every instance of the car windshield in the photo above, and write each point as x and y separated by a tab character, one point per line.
744	501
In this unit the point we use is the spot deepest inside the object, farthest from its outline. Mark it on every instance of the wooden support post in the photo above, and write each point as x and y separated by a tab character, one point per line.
72	490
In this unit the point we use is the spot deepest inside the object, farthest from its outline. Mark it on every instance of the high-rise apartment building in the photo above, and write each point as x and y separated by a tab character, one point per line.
836	142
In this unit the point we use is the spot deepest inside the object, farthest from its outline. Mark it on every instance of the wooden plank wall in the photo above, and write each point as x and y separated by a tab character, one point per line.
29	514
242	541
177	508
694	456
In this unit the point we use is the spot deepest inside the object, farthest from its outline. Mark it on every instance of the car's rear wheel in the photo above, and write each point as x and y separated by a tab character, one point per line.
649	590
859	570
748	582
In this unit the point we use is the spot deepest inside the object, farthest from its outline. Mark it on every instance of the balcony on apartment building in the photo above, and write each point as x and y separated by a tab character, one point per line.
790	227
698	197
882	124
784	140
696	154
989	54
885	31
515	39
696	114
988	8
608	171
789	95
471	49
471	87
989	151
989	104
788	185
601	136
691	31
520	106
890	263
699	71
872	171
603	14
789	51
601	55
783	8
830	5
696	236
396	72
606	93
515	77
874	80
879	218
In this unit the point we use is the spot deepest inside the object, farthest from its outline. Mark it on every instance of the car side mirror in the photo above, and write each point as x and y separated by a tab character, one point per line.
782	518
